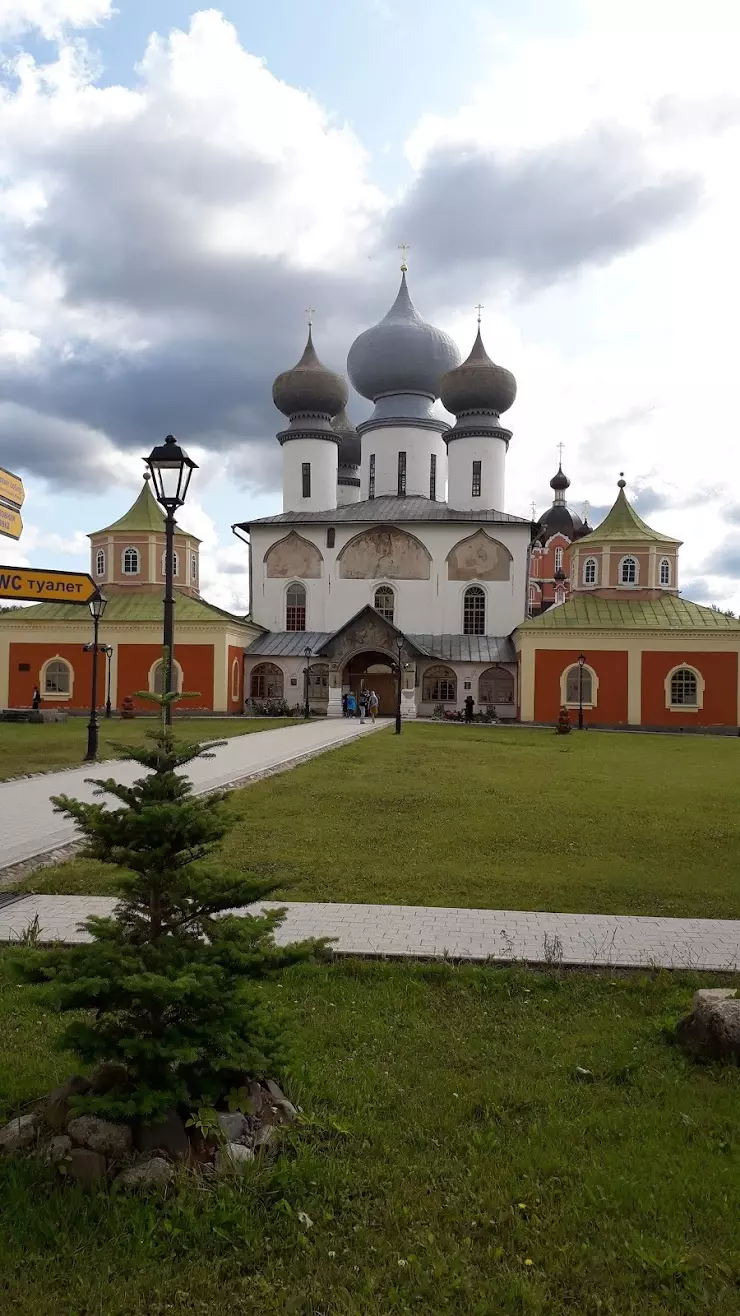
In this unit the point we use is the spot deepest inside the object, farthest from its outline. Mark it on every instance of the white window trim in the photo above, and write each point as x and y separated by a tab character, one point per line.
629	584
50	697
175	562
559	559
684	708
564	686
130	548
473	584
99	571
235	679
665	584
385	584
590	584
177	670
291	585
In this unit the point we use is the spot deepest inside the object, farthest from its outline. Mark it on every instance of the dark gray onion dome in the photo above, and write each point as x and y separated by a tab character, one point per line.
560	481
401	354
350	447
559	520
478	384
310	387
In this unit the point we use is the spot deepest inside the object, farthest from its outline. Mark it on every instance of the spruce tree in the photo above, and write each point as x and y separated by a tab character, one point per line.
172	984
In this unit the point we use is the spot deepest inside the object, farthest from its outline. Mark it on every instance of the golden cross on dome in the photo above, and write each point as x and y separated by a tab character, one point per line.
310	312
480	307
403	247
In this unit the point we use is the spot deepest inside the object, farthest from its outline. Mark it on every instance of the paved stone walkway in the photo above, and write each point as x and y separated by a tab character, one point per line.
465	934
29	826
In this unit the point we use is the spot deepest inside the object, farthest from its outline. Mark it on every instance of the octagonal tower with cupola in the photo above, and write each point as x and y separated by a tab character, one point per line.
128	556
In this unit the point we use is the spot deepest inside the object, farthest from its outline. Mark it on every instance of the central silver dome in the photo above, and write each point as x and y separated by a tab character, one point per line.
401	354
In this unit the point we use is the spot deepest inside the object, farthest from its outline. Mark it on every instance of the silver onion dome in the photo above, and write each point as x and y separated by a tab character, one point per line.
402	354
350	447
478	384
309	387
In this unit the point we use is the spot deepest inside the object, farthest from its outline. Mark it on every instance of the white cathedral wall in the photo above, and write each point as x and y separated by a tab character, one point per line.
431	607
491	453
347	493
321	456
385	443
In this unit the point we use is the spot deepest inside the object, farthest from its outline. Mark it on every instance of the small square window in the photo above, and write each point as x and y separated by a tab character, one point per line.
294	680
24	667
467	685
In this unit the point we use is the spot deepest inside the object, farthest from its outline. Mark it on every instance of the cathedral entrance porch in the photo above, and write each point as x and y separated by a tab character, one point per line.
373	671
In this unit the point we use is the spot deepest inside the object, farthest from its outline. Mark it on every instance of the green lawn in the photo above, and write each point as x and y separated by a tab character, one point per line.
46	747
496	818
449	1145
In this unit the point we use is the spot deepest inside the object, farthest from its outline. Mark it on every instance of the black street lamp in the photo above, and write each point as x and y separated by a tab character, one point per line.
306	709
107	649
399	646
581	665
97	607
171	469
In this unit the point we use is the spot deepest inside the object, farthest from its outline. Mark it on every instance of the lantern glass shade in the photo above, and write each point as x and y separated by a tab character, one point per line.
171	469
97	605
581	660
399	642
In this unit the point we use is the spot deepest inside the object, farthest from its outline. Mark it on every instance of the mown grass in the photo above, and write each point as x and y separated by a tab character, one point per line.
452	1162
494	818
26	747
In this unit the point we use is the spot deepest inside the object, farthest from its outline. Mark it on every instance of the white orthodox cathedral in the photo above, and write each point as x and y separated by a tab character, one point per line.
392	546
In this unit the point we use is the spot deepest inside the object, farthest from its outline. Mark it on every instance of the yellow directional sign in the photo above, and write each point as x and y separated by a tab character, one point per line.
46	586
11	488
10	522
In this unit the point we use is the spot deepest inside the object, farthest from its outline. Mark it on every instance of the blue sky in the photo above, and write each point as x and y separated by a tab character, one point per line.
169	206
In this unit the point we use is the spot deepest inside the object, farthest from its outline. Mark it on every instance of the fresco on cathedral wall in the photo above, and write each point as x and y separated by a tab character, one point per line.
385	553
293	556
479	558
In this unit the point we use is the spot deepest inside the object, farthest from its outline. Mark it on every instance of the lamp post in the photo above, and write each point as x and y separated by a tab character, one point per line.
107	649
171	469
581	665
399	646
97	608
306	709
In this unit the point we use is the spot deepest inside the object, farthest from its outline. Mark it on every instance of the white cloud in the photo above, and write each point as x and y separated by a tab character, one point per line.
51	17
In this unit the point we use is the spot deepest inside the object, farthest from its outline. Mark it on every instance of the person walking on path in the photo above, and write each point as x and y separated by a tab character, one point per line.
373	704
344	705
351	705
36	700
362	703
469	702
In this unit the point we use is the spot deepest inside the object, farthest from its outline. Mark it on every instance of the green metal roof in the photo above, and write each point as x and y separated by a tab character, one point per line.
666	614
145	514
130	607
623	525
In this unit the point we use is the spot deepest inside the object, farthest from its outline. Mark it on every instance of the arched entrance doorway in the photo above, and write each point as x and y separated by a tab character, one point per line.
376	671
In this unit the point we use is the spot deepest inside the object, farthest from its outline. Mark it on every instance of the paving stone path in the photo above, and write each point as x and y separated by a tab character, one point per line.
404	931
29	826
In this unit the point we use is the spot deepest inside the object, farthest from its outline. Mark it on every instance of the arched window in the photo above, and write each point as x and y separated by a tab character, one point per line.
174	564
589	571
156	677
235	679
559	594
684	688
385	602
628	571
558	559
295	608
266	682
100	562
57	677
532	597
131	562
439	686
665	571
474	611
318	681
579	686
193	566
496	686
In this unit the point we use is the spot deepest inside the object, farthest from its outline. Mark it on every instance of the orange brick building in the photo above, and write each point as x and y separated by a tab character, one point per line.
41	647
652	659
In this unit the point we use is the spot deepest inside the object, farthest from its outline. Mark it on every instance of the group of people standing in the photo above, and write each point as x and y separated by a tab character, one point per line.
366	702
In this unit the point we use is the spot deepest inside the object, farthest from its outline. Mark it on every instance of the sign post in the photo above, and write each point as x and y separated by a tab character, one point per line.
12	495
37	586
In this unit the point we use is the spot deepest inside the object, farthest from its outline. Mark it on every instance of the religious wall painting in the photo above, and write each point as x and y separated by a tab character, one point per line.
293	556
478	557
386	553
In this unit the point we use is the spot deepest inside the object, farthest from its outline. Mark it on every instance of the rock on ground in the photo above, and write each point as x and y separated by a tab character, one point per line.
154	1173
59	1149
56	1110
712	1030
234	1125
100	1135
168	1136
234	1156
85	1165
21	1132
